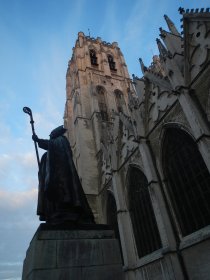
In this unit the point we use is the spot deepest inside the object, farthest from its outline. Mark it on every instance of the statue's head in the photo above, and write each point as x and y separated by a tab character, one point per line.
58	131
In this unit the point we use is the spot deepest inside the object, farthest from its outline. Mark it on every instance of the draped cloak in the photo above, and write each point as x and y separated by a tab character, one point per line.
61	197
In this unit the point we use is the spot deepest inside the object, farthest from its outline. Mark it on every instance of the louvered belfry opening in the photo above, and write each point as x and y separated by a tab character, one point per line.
187	180
111	63
93	57
142	215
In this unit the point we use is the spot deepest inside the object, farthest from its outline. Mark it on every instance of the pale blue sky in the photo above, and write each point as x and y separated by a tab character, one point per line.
36	38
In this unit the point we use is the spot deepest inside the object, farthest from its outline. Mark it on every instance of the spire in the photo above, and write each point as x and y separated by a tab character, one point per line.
143	67
171	26
172	42
162	49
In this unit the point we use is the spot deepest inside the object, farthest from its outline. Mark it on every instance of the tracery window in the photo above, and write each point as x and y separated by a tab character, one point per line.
187	180
111	62
93	57
102	103
142	215
119	98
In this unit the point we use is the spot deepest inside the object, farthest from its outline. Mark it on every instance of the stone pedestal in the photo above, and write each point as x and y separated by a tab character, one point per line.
68	253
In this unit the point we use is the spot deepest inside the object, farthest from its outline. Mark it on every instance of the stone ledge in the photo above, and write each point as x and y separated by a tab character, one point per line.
70	226
69	231
112	272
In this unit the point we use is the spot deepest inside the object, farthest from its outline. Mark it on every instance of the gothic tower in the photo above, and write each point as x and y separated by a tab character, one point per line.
143	154
96	89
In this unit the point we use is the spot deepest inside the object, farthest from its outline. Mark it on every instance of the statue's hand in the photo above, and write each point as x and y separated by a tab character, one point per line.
35	138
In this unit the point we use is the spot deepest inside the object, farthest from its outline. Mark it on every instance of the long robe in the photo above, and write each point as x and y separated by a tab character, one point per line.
61	196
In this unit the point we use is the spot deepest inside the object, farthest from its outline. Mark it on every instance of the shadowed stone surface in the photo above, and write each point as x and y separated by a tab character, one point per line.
61	274
67	253
83	252
102	273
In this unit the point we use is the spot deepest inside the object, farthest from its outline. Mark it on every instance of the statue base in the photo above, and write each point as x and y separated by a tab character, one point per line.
67	252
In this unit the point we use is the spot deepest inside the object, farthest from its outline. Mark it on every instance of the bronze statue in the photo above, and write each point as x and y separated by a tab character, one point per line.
61	197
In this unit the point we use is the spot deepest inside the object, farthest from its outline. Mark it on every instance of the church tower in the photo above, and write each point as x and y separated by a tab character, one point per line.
97	87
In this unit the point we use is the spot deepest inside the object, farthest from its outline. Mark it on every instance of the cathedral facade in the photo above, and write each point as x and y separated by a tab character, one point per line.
142	147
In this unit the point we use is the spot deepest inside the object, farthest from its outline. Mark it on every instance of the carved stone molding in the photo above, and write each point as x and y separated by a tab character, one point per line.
159	102
198	44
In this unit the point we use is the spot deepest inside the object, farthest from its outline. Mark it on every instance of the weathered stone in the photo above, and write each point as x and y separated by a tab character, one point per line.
61	274
73	255
83	252
112	272
40	255
197	259
111	251
73	234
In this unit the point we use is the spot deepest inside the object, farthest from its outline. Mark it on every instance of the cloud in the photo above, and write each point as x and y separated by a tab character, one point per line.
134	27
140	30
17	199
50	76
18	166
110	22
18	196
18	223
9	271
18	171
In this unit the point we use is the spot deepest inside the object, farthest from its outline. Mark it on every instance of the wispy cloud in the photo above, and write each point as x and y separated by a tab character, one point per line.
18	222
18	171
18	196
110	26
17	199
10	270
16	278
134	25
140	29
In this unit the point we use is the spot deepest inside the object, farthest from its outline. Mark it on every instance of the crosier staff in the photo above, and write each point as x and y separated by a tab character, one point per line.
28	111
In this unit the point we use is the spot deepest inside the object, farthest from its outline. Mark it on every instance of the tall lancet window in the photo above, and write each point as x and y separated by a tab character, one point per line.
119	98
93	57
187	180
142	215
102	103
111	62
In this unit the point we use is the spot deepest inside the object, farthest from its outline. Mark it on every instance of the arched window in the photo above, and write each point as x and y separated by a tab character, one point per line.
119	98
93	57
142	215
102	103
111	62
187	179
112	217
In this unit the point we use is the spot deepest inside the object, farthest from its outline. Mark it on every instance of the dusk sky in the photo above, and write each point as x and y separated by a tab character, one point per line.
37	37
